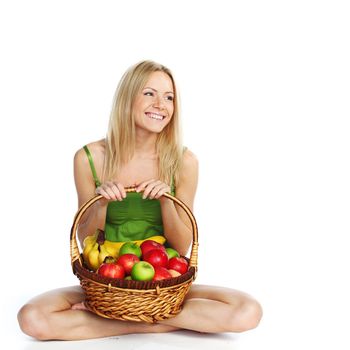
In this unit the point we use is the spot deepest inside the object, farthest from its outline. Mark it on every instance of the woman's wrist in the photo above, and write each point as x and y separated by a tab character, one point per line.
102	203
164	201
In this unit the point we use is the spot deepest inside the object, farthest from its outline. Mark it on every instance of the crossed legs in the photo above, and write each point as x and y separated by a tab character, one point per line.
56	315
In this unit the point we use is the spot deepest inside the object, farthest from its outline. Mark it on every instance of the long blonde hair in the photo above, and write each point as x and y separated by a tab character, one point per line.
120	140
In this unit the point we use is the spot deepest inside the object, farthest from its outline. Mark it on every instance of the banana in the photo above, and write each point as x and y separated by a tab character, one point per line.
90	239
88	244
114	247
87	250
158	239
103	253
91	249
93	257
96	248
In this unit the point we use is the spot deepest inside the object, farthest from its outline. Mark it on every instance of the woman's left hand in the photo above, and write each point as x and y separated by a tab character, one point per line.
153	189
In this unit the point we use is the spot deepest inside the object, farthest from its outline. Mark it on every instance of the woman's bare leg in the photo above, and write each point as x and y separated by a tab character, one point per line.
50	316
217	309
206	309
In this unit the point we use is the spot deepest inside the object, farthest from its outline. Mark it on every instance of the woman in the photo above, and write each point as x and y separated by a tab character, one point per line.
142	149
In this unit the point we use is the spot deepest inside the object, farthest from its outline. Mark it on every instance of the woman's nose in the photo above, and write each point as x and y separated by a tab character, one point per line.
158	102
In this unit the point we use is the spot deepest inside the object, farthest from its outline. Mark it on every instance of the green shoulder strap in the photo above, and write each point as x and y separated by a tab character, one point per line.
92	166
172	186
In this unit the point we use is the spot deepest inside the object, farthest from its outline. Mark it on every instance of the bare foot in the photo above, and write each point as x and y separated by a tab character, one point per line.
79	306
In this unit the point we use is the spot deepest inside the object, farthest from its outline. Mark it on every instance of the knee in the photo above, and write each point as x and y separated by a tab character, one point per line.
32	322
246	316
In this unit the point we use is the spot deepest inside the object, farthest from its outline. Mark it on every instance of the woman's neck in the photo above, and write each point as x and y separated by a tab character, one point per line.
145	145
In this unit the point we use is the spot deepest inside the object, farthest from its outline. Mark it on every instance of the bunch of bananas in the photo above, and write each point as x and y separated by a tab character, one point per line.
96	248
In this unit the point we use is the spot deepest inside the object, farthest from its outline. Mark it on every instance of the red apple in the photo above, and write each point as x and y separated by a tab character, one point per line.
142	271
178	264
161	273
156	257
148	245
128	261
111	270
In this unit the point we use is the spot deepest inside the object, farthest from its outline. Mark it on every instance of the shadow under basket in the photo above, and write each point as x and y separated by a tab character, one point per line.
128	300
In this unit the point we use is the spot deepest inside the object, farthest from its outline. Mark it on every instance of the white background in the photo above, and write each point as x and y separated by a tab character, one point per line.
265	103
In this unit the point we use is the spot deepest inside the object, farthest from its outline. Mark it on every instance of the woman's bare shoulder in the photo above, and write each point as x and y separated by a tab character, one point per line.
189	167
97	151
188	178
96	148
189	160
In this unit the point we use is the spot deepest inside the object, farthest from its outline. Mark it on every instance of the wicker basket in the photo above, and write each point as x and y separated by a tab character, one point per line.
129	300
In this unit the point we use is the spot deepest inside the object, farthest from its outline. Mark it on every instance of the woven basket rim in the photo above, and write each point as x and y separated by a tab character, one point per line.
83	273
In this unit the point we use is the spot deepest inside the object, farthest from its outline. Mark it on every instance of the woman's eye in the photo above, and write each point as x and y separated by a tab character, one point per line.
170	98
148	93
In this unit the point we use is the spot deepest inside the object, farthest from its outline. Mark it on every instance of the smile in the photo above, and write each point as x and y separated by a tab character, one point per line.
155	116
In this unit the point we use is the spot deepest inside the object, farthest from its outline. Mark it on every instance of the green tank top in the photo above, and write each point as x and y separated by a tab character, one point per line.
133	218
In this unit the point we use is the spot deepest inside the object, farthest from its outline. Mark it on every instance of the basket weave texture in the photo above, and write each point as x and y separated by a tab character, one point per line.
129	300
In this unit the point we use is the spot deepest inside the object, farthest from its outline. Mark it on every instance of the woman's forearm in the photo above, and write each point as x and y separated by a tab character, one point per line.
92	219
177	234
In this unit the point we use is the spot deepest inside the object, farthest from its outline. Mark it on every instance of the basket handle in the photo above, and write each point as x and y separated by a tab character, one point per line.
74	249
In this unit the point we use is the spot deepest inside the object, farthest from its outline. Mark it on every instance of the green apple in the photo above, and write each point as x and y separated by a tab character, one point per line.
130	248
142	271
172	253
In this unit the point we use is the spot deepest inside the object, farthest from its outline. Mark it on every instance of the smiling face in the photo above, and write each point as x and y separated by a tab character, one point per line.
154	104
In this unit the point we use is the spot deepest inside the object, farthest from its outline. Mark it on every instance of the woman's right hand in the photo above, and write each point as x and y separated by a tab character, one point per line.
111	191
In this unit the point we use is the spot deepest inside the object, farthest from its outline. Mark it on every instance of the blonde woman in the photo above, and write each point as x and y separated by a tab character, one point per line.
143	149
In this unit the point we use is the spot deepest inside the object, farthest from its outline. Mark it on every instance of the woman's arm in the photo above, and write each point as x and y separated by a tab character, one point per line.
95	216
177	225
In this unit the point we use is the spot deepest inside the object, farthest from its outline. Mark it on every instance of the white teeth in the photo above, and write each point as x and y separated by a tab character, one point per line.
155	116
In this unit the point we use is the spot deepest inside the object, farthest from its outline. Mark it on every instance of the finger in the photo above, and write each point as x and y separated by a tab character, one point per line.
116	192
143	185
150	188
162	191
158	191
108	189
120	188
102	192
154	192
